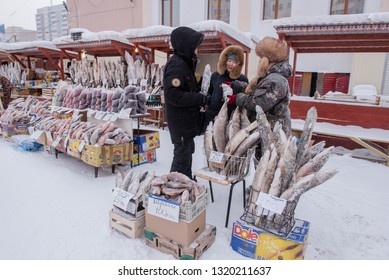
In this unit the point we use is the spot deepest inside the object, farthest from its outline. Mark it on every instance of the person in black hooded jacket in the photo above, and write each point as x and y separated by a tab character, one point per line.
182	97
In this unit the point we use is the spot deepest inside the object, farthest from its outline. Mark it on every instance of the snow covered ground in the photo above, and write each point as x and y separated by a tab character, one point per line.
54	209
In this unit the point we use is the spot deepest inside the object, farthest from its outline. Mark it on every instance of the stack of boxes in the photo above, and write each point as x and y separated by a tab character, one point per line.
127	215
179	230
145	144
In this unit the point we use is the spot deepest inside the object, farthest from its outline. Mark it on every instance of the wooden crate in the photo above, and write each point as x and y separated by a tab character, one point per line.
48	91
132	228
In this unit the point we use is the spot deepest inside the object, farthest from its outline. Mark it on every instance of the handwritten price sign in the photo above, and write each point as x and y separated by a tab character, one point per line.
216	157
272	203
163	208
121	198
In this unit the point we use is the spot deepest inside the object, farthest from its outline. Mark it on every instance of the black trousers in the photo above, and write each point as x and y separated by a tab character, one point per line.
182	158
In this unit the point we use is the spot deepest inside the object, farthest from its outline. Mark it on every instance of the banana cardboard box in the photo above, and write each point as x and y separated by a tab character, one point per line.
256	243
107	154
146	157
146	140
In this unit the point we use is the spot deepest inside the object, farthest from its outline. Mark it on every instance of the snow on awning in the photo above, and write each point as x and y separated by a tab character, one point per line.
217	35
336	34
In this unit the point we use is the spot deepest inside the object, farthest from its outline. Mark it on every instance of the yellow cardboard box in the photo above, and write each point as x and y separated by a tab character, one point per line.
106	155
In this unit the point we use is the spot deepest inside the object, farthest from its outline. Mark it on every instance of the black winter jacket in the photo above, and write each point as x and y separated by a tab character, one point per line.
182	96
272	94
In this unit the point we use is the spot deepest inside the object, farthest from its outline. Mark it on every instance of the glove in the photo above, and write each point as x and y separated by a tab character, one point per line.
231	99
227	83
226	91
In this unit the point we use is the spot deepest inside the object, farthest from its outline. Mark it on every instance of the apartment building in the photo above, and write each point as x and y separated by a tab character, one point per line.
255	17
51	22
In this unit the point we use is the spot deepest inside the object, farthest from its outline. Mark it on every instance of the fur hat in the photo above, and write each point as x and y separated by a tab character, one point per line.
271	51
222	63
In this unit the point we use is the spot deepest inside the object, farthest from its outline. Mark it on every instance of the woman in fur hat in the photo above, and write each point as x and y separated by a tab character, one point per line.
269	88
229	69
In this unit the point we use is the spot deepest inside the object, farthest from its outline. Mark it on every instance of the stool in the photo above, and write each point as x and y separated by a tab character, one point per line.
207	176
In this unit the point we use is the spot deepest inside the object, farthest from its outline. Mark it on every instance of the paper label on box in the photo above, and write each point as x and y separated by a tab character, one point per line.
145	146
49	136
99	115
56	142
272	203
216	157
121	198
82	145
163	208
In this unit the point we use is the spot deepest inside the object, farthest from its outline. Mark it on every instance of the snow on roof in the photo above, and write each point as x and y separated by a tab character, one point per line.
155	30
333	20
88	36
28	45
217	25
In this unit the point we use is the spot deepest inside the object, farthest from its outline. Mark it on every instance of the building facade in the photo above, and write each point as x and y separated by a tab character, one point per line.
19	34
255	17
51	22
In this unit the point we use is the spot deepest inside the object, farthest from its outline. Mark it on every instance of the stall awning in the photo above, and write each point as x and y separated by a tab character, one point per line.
101	48
335	34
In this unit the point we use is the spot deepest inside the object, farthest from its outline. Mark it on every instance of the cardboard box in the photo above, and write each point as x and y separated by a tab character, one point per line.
146	157
188	210
192	252
72	148
256	243
182	232
106	155
14	129
146	140
131	227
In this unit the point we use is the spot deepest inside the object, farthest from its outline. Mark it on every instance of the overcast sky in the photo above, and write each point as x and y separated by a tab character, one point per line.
22	12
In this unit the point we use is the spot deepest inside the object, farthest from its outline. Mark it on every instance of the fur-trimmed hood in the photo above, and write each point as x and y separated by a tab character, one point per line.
222	63
271	51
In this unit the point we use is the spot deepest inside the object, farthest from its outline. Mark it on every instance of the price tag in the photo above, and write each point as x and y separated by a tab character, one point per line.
99	115
125	113
117	81
272	203
163	208
36	134
114	117
216	157
49	136
31	130
105	81
121	198
90	112
81	147
134	81
76	113
107	117
66	141
143	82
22	82
56	142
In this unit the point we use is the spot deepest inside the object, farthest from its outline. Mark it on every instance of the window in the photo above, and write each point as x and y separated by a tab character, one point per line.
170	12
347	7
219	9
274	9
